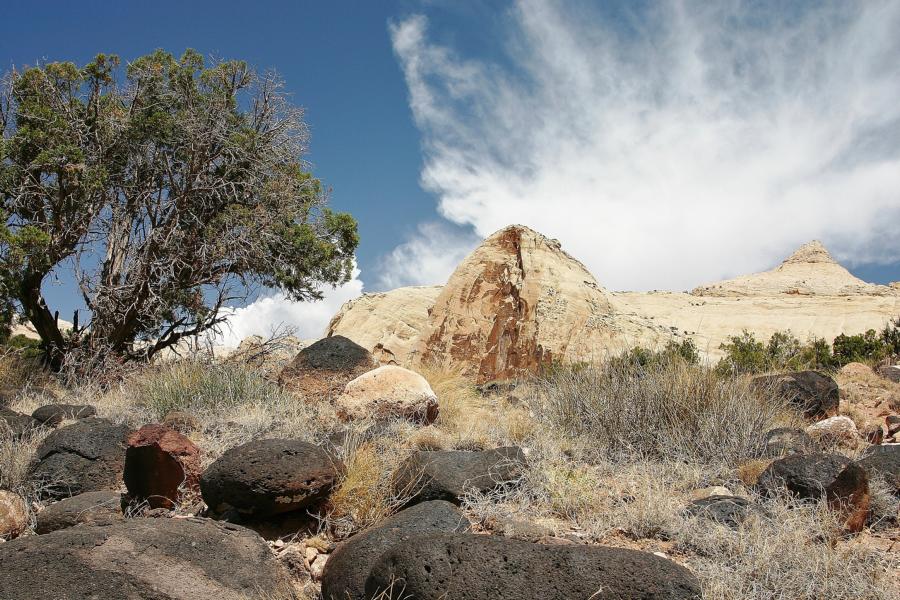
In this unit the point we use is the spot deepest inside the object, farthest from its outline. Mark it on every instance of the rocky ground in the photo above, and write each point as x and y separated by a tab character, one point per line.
325	475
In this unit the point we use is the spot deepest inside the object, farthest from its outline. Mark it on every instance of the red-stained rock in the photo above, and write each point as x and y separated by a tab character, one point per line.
159	465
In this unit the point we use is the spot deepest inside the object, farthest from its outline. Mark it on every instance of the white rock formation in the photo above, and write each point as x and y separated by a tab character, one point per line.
388	392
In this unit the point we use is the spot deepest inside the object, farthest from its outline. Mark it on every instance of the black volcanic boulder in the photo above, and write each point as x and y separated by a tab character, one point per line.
321	371
86	456
92	508
450	474
891	372
835	477
726	510
482	567
348	567
815	394
787	440
268	477
153	559
884	462
54	414
16	424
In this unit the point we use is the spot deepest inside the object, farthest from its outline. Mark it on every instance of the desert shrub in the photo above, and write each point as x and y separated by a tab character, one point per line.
743	354
783	352
891	337
685	350
862	347
201	386
665	409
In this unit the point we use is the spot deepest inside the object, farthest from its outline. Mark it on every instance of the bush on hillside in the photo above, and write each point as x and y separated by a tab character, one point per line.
862	347
783	352
684	350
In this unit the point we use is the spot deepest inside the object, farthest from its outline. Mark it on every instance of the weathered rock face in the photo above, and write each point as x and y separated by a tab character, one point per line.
91	508
16	424
323	369
160	464
388	392
54	414
268	477
815	394
387	324
450	474
518	302
834	477
838	429
810	271
349	566
87	456
483	567
13	515
891	372
156	559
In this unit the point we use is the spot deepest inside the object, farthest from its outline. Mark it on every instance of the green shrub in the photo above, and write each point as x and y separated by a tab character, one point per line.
863	347
783	352
684	350
743	354
891	337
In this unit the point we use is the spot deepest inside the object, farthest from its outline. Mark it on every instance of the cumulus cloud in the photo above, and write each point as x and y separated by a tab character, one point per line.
276	312
668	145
428	257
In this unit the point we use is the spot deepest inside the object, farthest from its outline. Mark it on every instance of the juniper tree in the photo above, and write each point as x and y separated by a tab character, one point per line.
169	187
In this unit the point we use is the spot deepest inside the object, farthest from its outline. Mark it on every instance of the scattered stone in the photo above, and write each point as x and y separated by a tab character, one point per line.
388	392
90	508
817	395
171	559
551	540
160	465
52	415
482	567
840	429
86	456
891	372
893	424
450	474
813	476
716	490
344	577
873	434
883	461
317	568
181	421
16	424
856	369
724	509
268	477
787	440
518	529
13	515
323	369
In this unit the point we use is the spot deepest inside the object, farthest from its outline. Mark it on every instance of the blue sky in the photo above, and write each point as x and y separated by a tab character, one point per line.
666	144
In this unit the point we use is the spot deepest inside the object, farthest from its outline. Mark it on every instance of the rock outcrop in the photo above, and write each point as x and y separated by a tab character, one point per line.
387	324
54	414
13	515
814	393
518	302
91	508
160	466
322	369
810	271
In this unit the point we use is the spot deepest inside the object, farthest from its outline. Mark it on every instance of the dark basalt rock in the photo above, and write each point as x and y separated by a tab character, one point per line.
86	456
54	414
787	440
91	508
482	567
324	368
727	510
16	424
884	462
349	566
267	477
450	474
153	559
815	394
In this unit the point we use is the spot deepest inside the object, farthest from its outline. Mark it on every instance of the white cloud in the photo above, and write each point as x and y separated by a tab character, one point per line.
428	257
310	319
669	147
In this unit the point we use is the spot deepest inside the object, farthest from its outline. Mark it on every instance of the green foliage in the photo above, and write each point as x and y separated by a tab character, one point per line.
863	347
783	352
178	184
891	337
743	354
684	350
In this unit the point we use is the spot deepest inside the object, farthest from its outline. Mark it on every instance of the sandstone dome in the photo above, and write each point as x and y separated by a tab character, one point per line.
810	271
519	301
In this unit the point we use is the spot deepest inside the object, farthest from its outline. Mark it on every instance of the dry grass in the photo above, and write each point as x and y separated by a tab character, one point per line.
665	410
